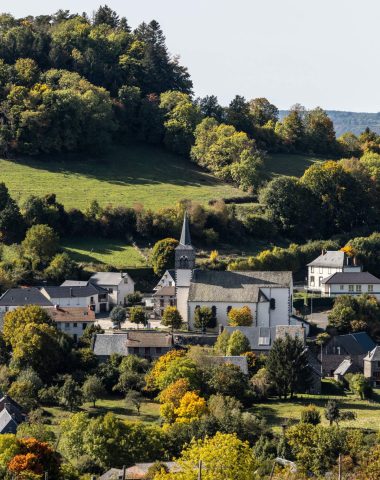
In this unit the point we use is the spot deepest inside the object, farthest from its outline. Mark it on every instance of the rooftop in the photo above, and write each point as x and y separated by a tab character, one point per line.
75	291
19	297
165	291
374	355
72	314
149	339
343	368
74	283
109	278
351	277
330	258
230	286
353	343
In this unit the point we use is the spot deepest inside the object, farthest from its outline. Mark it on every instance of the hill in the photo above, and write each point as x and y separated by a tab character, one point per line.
354	122
124	176
289	164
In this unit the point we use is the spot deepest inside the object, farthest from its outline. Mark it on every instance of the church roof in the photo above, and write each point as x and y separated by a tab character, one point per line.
185	239
215	286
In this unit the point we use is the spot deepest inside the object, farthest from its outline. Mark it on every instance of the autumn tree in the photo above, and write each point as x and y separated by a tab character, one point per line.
191	407
137	315
40	244
92	389
238	343
240	317
204	318
172	318
163	255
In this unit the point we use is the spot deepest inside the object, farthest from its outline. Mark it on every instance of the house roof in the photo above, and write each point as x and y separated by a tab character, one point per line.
351	277
11	415
7	423
344	367
71	314
148	339
332	258
137	471
68	292
106	344
239	361
109	278
231	286
74	283
353	343
165	291
373	355
24	296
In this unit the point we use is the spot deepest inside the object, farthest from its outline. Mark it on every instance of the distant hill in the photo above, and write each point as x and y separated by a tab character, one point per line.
354	122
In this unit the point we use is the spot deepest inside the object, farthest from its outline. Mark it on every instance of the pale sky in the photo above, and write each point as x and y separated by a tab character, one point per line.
313	52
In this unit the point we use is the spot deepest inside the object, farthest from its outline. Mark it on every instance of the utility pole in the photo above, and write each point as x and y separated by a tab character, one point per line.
340	467
200	470
124	472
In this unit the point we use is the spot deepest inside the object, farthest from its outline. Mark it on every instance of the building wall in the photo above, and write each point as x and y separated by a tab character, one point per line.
120	291
333	290
221	311
74	329
182	306
76	301
318	273
283	304
372	371
161	302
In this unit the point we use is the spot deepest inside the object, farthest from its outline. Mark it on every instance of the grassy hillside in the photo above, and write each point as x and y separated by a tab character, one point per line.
124	176
288	164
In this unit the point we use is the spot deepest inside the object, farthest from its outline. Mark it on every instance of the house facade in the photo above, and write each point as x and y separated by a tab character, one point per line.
328	263
117	284
89	296
350	283
73	320
162	298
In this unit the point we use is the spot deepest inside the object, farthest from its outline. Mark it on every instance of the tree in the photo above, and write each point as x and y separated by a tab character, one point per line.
240	317
172	318
238	343
334	415
204	318
224	456
341	317
221	344
137	315
61	267
310	414
134	398
118	315
72	437
287	365
163	255
40	244
320	131
155	469
159	368
191	407
227	379
35	340
92	389
70	394
292	129
170	398
359	385
262	111
105	15
181	367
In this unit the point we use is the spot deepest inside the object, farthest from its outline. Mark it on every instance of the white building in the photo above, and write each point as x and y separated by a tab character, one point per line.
89	296
20	297
351	283
73	320
329	262
118	285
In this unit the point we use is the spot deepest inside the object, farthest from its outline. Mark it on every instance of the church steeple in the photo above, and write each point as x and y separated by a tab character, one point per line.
185	234
185	253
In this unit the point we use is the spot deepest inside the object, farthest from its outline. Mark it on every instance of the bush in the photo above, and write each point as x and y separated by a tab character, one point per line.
310	414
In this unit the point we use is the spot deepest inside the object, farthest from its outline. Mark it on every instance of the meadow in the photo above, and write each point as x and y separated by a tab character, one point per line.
289	164
137	174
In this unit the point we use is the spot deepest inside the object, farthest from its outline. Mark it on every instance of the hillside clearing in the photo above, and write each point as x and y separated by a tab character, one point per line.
124	176
288	164
105	251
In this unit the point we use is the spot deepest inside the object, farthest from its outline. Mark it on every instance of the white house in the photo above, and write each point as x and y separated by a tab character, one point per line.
20	297
167	280
351	283
118	285
90	296
73	320
329	262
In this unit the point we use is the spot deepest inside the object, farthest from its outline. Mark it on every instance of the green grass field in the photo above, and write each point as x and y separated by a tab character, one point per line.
101	250
278	412
124	176
288	164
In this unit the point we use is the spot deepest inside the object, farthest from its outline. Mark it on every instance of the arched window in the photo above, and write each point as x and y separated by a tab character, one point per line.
184	262
229	308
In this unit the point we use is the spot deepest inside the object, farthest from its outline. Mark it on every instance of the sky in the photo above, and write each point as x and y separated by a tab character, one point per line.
314	52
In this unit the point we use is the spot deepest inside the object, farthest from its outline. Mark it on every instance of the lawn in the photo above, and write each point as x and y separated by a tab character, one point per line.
124	176
288	164
106	251
278	412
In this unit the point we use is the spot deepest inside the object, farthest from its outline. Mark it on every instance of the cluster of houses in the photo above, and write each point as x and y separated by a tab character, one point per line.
269	295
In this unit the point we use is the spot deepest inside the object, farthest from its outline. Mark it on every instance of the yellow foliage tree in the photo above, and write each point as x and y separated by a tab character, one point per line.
191	407
214	256
159	368
240	317
170	398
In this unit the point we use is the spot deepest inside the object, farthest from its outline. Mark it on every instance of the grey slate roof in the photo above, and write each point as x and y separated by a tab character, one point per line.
11	415
108	278
331	258
67	292
7	423
185	239
351	277
353	343
145	338
343	368
165	291
374	355
74	283
107	344
24	296
231	286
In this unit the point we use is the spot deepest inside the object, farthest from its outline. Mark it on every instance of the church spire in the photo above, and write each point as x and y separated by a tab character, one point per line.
185	234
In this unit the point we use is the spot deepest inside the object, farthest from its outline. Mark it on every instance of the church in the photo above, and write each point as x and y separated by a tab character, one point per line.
269	294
